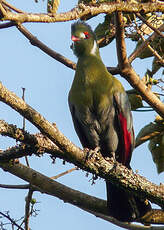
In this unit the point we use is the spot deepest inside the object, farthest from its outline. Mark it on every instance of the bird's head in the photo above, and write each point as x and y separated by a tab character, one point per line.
84	39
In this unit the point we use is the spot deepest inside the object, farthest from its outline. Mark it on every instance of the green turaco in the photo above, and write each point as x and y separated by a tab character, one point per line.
102	117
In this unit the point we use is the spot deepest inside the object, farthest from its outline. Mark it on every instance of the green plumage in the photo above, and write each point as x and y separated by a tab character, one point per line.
93	85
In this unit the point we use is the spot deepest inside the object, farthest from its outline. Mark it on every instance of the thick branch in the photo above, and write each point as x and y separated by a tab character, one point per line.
34	144
130	75
54	188
138	185
88	203
84	10
45	127
120	42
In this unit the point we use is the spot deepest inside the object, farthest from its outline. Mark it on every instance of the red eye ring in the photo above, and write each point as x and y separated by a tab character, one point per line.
86	34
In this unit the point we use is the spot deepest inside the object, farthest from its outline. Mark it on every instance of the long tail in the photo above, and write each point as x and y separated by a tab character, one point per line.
125	206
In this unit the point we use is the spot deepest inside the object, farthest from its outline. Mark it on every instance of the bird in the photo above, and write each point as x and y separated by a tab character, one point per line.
102	118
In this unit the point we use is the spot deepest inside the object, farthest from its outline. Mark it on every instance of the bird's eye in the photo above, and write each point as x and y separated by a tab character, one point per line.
87	35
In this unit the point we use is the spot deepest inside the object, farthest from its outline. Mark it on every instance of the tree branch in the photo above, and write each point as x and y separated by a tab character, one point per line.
51	187
97	164
7	25
149	25
57	56
35	42
120	42
11	220
32	144
24	186
128	72
83	10
144	45
45	127
88	203
12	7
27	208
154	52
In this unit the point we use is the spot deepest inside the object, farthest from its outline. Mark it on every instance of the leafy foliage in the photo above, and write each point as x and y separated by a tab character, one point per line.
154	132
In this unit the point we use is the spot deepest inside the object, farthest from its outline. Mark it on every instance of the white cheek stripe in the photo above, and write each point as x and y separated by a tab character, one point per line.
94	48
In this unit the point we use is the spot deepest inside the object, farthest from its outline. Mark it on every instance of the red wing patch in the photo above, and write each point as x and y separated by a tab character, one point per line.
126	138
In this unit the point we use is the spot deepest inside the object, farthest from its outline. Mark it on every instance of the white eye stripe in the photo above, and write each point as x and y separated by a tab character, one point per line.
82	35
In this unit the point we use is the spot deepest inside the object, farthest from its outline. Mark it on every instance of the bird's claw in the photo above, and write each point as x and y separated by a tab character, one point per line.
91	152
113	158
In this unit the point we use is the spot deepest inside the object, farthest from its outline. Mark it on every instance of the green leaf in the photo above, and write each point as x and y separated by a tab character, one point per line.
149	131
135	100
105	32
156	147
33	201
154	132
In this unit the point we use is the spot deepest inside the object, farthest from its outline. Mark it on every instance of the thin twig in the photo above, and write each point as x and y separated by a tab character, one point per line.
12	7
24	123
154	52
24	186
64	173
140	48
27	209
2	9
35	42
124	225
7	25
11	220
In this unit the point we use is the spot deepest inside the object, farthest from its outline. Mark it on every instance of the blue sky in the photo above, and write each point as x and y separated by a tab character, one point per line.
47	84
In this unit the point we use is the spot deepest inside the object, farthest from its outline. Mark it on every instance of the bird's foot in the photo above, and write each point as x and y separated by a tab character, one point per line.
90	152
113	158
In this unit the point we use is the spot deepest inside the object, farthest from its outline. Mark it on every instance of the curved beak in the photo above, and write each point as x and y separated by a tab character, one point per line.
74	38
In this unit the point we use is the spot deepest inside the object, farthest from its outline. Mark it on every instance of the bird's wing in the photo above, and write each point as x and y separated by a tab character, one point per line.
124	117
86	127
